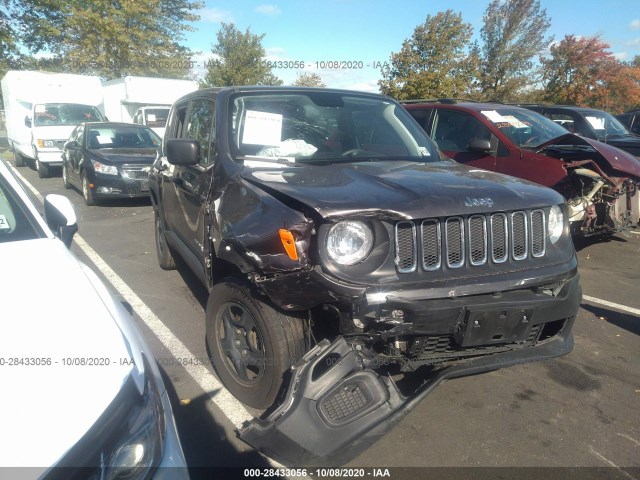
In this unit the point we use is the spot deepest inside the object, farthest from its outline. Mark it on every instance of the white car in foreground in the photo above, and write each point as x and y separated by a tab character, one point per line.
82	396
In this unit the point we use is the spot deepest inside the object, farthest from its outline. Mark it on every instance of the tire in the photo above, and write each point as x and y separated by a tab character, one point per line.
65	176
252	345
89	197
163	251
43	169
18	159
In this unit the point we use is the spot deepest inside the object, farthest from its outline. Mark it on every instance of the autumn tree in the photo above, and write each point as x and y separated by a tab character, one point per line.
577	71
239	60
10	56
436	61
309	80
110	38
513	35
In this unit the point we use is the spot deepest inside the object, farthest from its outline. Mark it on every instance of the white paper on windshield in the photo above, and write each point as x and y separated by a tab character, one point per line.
151	117
515	122
424	152
494	116
262	128
103	140
4	223
596	123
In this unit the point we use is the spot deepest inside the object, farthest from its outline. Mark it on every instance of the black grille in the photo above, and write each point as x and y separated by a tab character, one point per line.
458	241
344	403
405	247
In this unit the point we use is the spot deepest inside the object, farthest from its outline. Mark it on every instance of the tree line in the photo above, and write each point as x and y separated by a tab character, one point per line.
514	61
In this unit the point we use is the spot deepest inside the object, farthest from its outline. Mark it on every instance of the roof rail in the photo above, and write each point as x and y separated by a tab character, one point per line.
438	100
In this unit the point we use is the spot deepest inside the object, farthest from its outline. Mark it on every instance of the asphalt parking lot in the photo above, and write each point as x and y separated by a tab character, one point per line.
582	410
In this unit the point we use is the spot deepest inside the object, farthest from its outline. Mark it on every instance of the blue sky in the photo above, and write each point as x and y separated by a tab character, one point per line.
366	32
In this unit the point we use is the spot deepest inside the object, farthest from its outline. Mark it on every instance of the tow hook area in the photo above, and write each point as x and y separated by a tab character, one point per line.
334	409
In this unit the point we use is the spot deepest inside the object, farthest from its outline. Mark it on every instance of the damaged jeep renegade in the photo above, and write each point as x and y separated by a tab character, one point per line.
351	266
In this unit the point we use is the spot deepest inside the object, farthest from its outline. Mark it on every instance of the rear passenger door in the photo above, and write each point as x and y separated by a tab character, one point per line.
186	188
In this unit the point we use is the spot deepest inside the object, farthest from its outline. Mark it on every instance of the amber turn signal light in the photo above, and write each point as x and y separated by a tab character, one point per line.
286	237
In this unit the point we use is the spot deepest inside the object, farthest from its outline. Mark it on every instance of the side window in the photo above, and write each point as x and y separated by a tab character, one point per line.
453	130
200	127
563	120
174	125
634	124
137	118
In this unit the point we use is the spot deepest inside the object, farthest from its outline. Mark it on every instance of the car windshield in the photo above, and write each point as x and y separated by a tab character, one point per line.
524	128
55	114
604	124
16	222
122	137
156	117
323	128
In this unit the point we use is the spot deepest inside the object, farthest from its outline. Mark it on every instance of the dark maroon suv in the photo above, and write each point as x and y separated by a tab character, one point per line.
598	180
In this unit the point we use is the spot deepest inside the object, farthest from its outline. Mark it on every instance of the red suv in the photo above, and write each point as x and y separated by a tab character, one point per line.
599	181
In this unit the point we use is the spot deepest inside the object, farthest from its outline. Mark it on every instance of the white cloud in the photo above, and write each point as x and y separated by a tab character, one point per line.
635	42
269	10
622	56
275	53
215	15
635	24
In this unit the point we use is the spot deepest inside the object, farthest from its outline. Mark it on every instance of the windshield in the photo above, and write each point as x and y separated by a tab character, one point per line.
55	114
525	128
324	127
156	117
604	124
122	137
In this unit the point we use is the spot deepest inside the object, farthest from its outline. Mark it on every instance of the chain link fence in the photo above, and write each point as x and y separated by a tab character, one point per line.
4	141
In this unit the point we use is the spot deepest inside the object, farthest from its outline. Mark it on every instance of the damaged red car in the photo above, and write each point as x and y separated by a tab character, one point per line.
598	181
350	265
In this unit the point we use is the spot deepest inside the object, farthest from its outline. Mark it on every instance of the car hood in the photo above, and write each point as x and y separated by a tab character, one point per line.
402	189
125	155
618	159
52	313
53	132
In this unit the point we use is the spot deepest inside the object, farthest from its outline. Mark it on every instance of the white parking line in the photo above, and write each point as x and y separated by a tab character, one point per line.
617	306
230	407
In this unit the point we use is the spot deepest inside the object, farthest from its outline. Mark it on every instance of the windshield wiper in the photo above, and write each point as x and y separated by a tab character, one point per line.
281	160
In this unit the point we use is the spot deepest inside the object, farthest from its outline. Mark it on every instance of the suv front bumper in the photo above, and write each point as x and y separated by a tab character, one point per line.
330	416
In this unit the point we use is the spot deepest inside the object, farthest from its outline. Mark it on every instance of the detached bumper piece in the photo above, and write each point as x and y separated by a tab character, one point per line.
332	402
335	408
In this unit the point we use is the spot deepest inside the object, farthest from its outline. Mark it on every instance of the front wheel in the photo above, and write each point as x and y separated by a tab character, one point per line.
65	176
87	193
252	345
163	251
43	169
18	159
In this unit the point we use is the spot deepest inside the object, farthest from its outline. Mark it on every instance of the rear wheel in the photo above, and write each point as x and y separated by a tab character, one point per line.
163	251
87	193
252	345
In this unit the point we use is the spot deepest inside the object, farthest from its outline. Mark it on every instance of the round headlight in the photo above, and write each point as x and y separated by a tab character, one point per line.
556	223
349	242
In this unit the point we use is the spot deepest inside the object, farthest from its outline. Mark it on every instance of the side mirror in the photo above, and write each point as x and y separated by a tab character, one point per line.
61	217
72	145
27	121
480	145
183	152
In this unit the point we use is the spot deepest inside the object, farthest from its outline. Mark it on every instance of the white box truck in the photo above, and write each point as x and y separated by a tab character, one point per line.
144	100
42	109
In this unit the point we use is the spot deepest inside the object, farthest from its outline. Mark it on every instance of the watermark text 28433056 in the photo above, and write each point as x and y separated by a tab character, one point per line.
324	64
